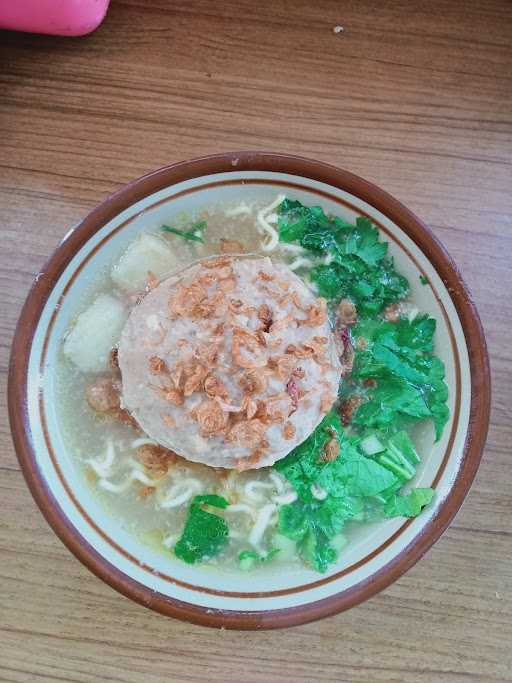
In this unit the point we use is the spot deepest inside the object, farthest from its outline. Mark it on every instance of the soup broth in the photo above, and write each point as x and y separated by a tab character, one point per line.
155	492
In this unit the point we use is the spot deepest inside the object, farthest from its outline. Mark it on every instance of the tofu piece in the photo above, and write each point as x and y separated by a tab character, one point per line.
146	253
94	333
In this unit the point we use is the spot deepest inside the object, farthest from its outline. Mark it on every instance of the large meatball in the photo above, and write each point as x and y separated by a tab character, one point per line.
230	364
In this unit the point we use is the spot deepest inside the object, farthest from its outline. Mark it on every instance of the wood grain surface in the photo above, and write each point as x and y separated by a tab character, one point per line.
413	95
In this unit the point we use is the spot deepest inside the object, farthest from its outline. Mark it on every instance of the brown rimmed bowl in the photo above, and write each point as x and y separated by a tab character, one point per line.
379	553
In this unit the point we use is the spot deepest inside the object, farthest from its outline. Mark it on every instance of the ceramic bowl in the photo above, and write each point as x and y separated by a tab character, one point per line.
378	553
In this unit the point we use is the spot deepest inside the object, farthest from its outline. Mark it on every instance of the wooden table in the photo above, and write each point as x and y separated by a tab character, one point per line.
415	96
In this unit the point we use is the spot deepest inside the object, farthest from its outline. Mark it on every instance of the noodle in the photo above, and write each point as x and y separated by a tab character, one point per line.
250	487
179	500
261	524
264	226
241	210
286	498
318	492
279	482
273	241
292	248
134	475
102	466
242	507
172	500
301	262
140	476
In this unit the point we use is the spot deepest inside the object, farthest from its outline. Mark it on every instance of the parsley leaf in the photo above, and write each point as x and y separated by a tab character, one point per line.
364	242
308	225
395	372
205	533
359	270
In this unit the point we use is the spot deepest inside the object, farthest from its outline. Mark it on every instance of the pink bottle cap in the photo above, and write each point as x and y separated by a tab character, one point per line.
57	17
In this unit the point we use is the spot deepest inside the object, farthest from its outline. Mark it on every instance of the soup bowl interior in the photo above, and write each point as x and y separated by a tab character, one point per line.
378	552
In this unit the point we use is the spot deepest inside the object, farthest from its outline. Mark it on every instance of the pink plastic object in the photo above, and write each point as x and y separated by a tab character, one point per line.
57	17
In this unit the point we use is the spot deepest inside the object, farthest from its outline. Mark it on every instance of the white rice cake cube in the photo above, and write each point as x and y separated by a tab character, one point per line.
94	333
146	253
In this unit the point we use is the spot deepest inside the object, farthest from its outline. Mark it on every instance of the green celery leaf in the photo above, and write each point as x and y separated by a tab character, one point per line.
190	233
353	474
312	526
410	505
303	465
401	444
249	559
316	551
205	533
294	520
252	554
347	483
409	379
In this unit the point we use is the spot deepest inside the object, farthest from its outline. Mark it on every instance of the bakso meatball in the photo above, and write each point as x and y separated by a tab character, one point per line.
103	394
231	364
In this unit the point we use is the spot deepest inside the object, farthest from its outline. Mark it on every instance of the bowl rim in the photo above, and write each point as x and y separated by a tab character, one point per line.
302	167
